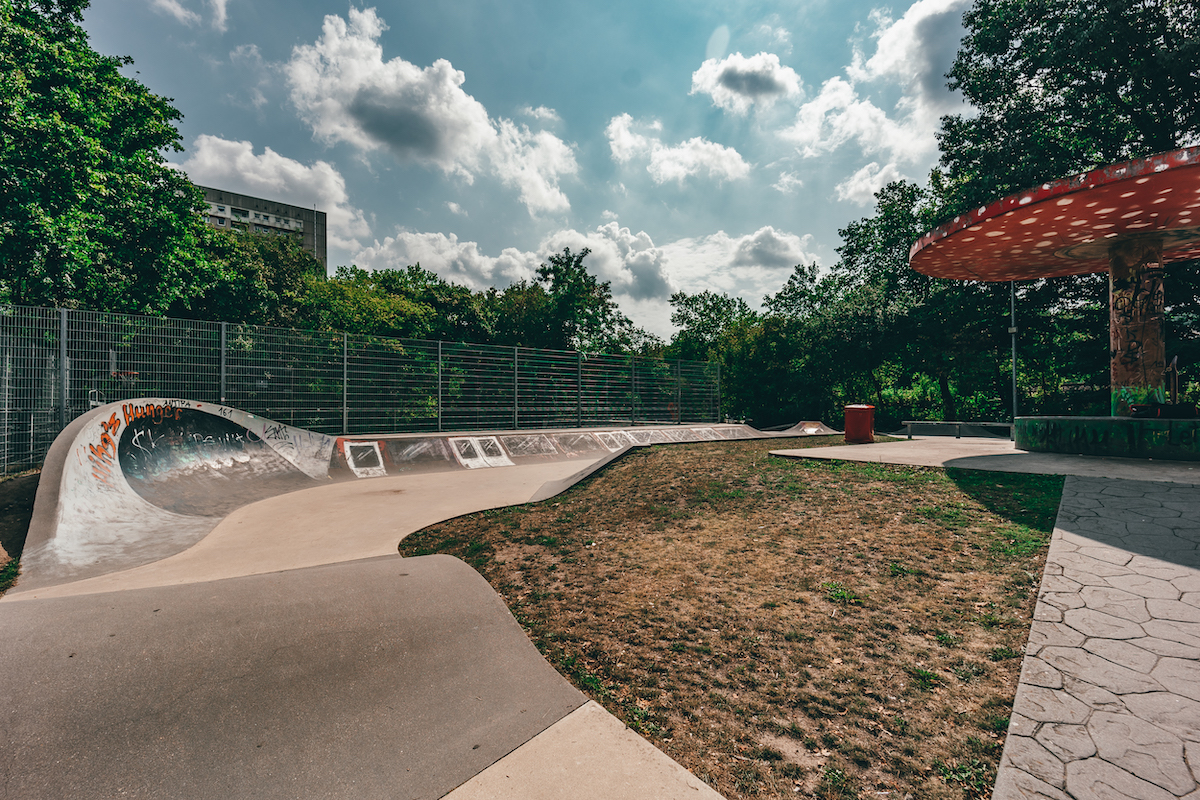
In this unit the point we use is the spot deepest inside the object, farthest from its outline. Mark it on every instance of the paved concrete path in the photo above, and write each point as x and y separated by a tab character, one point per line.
1108	704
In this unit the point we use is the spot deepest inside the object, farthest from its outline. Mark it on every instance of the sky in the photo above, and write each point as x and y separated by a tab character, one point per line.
691	145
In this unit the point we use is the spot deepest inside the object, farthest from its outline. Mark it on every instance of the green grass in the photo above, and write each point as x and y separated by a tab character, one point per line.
8	574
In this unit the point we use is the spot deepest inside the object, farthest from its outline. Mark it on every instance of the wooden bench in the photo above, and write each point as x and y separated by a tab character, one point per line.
957	425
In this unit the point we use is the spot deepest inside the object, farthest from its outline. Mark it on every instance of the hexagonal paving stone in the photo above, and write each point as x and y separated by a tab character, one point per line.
1093	696
1173	610
1066	742
1166	647
1097	779
1036	672
1064	600
1171	712
1090	622
1072	661
1158	568
1013	784
1049	705
1028	756
1042	634
1183	632
1116	603
1141	749
1123	653
1144	586
1179	676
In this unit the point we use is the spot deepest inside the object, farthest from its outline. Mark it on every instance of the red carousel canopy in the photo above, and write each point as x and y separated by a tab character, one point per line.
1067	227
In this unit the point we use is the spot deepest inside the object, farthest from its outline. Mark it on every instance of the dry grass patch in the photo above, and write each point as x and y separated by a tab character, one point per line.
783	628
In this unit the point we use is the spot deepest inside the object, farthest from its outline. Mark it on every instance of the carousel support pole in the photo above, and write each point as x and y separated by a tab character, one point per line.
1137	349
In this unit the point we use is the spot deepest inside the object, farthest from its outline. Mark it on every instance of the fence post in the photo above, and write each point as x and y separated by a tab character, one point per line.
579	392
345	384
439	381
64	376
224	343
718	391
633	390
516	395
678	392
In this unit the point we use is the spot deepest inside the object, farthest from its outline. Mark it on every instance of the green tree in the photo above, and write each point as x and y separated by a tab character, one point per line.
1061	86
706	323
90	213
263	280
583	315
354	301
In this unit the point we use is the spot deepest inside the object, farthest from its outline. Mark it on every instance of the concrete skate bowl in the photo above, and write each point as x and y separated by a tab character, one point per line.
137	482
359	677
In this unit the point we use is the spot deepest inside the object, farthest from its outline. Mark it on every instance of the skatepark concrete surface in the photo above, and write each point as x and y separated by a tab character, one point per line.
1108	702
212	605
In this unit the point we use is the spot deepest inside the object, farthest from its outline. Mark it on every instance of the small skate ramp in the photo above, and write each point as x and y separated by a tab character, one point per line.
811	428
392	677
131	483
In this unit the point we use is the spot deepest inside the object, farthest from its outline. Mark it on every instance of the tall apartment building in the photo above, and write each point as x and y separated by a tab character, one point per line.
239	212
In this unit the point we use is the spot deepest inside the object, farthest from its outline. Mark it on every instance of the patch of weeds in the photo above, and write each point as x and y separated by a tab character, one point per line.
974	776
898	570
899	725
1018	541
840	594
8	574
968	671
766	754
797	636
747	778
836	785
770	604
988	749
641	720
923	679
947	639
996	724
678	647
949	516
1002	653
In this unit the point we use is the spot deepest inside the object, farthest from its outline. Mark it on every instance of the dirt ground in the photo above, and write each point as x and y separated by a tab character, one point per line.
16	509
783	628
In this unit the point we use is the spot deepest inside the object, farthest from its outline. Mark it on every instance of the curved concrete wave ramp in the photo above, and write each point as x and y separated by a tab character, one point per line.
211	605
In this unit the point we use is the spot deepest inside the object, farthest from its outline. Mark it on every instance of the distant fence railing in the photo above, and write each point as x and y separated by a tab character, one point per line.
57	363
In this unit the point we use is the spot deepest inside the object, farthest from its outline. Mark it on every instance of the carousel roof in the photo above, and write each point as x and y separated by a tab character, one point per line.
1067	227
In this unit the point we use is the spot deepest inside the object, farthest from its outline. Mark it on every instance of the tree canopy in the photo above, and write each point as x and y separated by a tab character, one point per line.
90	213
1062	86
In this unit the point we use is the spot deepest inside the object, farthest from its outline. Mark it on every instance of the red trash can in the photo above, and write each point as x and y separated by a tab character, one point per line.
860	424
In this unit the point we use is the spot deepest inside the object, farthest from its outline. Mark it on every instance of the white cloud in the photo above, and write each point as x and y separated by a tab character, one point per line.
233	166
542	114
186	16
774	35
457	261
666	163
788	183
176	9
861	187
911	54
642	274
747	266
736	82
628	260
717	43
609	215
837	115
220	18
346	91
916	51
455	208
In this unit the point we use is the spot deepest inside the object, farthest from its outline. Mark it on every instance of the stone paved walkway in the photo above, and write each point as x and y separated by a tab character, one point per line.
1108	704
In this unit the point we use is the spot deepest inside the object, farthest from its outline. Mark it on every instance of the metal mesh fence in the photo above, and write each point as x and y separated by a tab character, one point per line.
55	364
